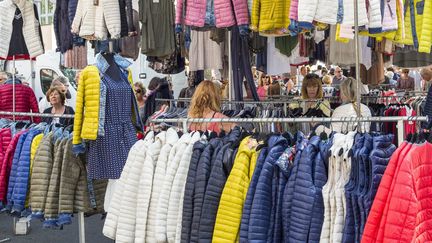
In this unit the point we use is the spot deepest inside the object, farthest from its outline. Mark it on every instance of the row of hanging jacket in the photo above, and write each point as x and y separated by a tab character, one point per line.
41	176
197	187
400	209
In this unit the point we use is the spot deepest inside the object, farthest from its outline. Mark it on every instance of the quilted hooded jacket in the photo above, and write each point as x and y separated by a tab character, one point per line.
157	183
418	24
229	213
408	216
145	185
14	169
42	167
261	223
244	227
25	101
21	186
220	171
189	191
270	14
6	167
376	215
201	179
111	221
227	13
175	206
164	198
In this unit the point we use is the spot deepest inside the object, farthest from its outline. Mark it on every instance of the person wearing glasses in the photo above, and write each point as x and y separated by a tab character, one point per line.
338	77
140	94
405	82
56	96
63	84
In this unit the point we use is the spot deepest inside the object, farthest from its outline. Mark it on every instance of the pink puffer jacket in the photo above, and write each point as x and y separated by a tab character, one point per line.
294	10
196	10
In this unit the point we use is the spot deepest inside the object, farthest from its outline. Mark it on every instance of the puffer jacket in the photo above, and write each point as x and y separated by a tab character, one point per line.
111	221
270	14
390	18
42	167
175	206
162	210
127	217
418	25
90	21
227	13
349	230
244	227
14	169
30	28
6	167
157	183
375	17
307	10
6	138
229	213
201	179
25	101
219	173
302	201
327	12
261	223
21	186
348	12
293	13
62	30
188	197
52	206
145	185
383	148
408	217
426	28
376	214
301	144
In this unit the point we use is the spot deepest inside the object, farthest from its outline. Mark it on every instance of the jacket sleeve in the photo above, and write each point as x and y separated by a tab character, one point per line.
5	172
78	17
79	113
129	13
112	18
56	23
14	169
241	12
307	10
375	18
34	105
426	34
179	12
255	15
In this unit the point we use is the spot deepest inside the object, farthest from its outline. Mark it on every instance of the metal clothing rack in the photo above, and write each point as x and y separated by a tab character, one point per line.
81	223
399	119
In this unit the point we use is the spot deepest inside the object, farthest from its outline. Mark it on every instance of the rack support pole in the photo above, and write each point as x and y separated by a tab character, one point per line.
13	88
230	71
81	227
357	59
400	131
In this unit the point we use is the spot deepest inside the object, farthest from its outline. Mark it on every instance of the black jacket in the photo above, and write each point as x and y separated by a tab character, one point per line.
64	121
62	26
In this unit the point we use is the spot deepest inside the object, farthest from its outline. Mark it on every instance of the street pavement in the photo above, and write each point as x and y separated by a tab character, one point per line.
69	234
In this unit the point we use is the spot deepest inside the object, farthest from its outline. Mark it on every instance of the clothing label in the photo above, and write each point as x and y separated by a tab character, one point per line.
155	1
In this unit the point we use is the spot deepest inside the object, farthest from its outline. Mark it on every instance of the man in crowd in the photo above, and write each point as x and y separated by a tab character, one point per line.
338	77
405	82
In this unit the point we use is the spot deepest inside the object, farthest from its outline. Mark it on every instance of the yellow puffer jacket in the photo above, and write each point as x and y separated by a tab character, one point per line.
34	146
270	14
426	28
230	209
423	25
86	121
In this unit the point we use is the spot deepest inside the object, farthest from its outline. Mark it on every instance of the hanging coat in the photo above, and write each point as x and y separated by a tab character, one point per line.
6	167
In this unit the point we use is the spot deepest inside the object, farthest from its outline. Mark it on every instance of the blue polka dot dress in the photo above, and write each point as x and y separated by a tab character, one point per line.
107	155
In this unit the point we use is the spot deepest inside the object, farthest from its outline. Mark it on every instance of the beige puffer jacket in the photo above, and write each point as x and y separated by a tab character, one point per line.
41	174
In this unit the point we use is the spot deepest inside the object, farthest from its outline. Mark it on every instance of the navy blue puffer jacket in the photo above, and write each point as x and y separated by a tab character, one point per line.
218	176
303	198
189	192
244	227
264	203
201	179
349	230
19	194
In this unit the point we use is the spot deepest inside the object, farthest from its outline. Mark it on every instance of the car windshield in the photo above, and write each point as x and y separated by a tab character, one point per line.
70	74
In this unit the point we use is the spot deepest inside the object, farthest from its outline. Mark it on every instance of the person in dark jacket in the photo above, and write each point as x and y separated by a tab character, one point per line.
157	89
57	99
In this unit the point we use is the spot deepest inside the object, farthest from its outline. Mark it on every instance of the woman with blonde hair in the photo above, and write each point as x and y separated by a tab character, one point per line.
206	103
263	85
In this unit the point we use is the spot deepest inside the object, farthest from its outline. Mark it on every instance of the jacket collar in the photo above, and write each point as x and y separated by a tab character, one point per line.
10	81
277	141
171	136
103	65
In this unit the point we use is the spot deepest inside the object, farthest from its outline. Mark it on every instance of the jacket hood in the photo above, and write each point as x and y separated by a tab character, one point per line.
171	136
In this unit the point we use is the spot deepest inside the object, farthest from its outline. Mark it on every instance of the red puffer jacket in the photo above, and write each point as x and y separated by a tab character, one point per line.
409	216
25	101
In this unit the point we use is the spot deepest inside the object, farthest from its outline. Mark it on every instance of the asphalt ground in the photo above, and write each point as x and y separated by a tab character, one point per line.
69	234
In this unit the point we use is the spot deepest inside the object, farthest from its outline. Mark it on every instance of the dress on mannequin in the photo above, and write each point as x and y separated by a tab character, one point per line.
107	154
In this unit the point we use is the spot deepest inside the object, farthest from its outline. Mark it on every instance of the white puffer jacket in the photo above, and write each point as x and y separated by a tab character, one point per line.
348	13
145	186
339	190
94	22
111	222
158	178
328	189
390	20
375	19
164	198
175	206
307	10
30	27
327	11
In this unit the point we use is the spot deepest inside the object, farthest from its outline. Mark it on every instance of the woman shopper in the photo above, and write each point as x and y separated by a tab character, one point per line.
140	92
263	85
206	103
57	98
312	92
348	89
